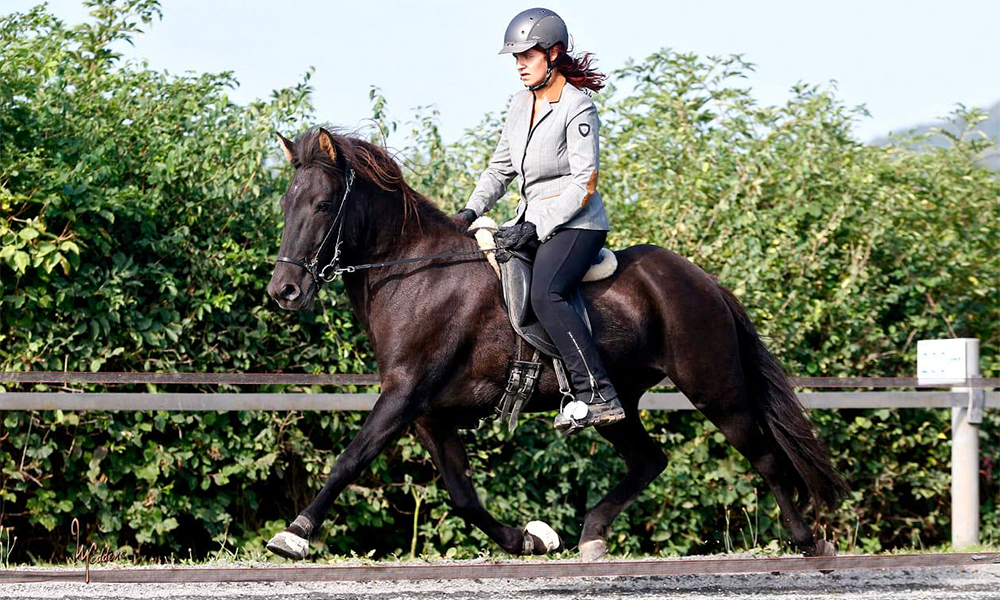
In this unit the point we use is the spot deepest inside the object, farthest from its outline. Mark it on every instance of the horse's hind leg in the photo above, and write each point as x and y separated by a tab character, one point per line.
448	453
645	461
728	407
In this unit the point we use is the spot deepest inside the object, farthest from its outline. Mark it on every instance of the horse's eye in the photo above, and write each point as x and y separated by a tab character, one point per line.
323	206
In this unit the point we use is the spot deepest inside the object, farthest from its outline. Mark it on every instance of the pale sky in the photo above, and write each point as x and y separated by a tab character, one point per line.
909	61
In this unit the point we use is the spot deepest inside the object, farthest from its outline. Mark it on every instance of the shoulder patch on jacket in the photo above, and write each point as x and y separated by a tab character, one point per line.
584	129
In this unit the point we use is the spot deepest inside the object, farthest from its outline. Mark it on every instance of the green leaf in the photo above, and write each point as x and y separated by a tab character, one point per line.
20	261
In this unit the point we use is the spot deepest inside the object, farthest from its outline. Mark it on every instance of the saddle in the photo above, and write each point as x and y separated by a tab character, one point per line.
515	283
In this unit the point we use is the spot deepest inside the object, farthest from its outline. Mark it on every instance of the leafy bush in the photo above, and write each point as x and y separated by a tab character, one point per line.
140	219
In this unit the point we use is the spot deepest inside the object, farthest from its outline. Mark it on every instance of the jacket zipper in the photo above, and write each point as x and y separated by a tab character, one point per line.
593	381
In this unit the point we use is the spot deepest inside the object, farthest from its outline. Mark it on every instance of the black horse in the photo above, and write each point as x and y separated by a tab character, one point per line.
443	345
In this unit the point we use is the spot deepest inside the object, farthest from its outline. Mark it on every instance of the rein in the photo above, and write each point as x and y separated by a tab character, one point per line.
404	261
331	271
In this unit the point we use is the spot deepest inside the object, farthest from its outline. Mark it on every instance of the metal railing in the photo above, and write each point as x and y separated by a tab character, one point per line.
966	398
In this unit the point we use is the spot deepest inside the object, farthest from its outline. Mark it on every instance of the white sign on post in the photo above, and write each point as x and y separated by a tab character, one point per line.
945	361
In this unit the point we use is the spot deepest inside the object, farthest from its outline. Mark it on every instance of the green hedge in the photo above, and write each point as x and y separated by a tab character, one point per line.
140	221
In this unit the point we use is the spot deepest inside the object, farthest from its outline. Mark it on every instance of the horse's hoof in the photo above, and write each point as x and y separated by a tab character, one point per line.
547	539
289	545
593	550
823	548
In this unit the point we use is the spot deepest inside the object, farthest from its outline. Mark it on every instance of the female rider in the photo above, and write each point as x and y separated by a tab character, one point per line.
550	139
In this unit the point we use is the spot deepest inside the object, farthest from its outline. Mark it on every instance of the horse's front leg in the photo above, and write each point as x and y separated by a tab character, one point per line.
448	453
397	406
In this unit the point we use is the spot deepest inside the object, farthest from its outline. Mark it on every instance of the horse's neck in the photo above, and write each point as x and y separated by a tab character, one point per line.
389	235
388	238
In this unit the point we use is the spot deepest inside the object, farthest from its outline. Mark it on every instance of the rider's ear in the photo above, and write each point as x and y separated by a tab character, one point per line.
286	145
326	144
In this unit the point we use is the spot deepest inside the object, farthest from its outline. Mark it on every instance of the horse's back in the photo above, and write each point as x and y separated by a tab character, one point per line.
655	270
656	306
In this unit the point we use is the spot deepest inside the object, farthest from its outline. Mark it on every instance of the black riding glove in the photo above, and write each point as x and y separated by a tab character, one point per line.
465	217
521	239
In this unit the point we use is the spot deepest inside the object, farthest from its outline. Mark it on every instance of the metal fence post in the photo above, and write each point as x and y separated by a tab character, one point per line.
940	362
965	458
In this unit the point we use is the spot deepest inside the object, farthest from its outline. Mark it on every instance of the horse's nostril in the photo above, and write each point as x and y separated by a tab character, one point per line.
289	291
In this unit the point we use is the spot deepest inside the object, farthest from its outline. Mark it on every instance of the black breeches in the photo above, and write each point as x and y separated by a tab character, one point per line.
560	264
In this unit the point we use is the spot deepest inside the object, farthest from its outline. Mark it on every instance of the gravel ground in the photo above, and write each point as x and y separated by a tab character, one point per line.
953	583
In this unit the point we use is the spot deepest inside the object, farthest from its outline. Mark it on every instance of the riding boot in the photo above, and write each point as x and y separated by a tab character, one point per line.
596	401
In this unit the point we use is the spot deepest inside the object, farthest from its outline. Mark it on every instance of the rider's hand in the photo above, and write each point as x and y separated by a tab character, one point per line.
464	218
517	236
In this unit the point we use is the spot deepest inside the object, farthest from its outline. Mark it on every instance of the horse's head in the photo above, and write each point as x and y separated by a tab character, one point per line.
315	197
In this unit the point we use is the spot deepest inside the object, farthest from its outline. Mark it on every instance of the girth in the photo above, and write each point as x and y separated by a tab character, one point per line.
521	385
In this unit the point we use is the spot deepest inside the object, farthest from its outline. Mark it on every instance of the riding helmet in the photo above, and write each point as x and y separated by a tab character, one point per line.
535	26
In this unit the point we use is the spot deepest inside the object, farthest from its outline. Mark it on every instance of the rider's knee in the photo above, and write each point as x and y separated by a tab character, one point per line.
540	299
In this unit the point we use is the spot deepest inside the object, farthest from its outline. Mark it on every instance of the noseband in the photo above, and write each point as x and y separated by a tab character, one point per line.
331	271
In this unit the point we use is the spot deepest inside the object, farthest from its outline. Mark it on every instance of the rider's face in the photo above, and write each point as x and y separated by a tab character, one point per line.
531	66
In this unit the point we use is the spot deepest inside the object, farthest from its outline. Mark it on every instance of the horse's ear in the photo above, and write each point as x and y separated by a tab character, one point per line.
326	144
286	145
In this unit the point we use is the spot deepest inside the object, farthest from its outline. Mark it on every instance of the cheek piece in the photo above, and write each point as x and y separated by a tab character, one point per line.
332	270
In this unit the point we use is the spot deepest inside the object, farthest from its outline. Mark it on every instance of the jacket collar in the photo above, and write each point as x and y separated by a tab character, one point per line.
551	95
554	91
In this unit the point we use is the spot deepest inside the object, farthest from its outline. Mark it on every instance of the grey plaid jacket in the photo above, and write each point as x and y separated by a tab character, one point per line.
557	161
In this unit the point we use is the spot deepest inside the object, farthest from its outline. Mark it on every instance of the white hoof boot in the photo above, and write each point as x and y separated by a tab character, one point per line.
593	550
289	545
550	539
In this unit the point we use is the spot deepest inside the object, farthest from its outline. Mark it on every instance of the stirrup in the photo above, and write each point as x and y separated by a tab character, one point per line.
577	415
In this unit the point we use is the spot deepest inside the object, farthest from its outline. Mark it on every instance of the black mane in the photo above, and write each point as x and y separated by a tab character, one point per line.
371	162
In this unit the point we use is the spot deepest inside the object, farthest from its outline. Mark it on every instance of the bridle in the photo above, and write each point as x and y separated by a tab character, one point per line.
331	271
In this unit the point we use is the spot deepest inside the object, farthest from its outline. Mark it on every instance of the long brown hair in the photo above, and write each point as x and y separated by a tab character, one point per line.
579	70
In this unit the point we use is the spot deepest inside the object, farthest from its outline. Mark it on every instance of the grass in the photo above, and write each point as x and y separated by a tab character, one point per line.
244	557
231	553
6	546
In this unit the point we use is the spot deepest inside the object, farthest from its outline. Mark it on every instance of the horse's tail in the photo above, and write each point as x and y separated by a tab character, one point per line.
781	414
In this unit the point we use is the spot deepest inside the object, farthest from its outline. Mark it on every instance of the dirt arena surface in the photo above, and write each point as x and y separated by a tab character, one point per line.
954	583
